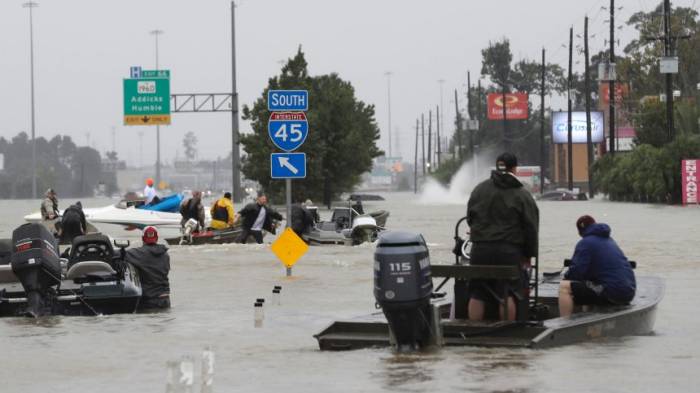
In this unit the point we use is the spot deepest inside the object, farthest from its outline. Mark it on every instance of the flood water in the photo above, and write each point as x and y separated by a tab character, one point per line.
214	288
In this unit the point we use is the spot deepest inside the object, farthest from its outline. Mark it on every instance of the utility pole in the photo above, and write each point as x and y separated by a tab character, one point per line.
422	141
114	139
543	151
235	137
589	142
459	129
430	138
613	75
388	94
140	149
669	55
438	141
157	33
506	135
569	143
478	112
479	115
31	5
669	76
470	112
415	163
440	119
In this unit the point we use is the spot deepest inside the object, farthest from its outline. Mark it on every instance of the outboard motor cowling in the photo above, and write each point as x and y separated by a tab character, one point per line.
402	286
36	263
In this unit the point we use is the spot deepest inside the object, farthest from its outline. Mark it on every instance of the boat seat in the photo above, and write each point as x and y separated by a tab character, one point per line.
7	276
327	226
342	218
91	247
89	268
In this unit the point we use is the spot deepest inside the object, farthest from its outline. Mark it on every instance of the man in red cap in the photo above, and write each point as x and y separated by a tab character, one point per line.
153	263
599	273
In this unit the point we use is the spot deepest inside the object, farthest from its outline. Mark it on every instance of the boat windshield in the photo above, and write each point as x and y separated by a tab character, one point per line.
125	203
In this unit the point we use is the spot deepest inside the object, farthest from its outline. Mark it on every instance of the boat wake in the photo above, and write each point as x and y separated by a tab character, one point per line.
461	184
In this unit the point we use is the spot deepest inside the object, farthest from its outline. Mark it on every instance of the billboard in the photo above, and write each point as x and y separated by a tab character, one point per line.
516	106
689	182
560	127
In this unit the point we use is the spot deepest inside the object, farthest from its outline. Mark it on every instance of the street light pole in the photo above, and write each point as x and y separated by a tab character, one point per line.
440	120
235	135
156	33
32	5
388	93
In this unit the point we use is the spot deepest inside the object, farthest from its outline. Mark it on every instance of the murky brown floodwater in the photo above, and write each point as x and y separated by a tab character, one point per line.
214	288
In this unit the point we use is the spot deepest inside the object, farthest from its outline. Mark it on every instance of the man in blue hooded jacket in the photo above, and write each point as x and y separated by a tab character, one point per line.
599	273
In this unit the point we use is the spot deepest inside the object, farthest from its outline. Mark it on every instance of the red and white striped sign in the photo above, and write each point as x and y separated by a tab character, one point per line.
689	181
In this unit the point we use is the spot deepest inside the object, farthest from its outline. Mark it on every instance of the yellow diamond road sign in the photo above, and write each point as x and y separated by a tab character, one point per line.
289	247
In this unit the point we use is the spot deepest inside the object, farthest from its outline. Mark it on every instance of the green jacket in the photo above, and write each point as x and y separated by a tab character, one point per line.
499	209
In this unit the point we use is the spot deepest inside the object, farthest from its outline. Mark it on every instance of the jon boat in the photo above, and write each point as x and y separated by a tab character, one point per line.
210	236
92	279
347	227
416	316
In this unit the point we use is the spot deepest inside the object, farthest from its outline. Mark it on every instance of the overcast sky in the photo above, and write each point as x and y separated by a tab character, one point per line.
84	48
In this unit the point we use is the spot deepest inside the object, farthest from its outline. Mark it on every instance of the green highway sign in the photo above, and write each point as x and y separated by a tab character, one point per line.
145	74
147	99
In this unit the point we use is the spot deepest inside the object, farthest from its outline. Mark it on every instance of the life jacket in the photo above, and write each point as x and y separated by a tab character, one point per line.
220	213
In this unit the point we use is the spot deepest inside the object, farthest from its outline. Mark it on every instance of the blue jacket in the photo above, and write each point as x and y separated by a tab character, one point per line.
598	258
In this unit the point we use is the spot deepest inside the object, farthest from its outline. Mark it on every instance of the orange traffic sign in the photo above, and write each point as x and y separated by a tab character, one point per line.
289	247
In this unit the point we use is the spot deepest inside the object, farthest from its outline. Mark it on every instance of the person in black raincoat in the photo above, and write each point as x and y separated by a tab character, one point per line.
73	223
503	221
153	264
257	217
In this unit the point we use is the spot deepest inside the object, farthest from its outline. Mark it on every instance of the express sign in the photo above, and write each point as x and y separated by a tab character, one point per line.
689	175
516	106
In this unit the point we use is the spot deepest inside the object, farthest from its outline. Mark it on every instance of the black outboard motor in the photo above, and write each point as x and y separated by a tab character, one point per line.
35	261
402	287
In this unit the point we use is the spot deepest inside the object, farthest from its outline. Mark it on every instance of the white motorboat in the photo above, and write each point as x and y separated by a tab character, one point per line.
123	213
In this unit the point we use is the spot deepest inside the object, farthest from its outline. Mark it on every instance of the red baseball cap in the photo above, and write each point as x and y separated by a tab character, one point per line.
584	222
150	235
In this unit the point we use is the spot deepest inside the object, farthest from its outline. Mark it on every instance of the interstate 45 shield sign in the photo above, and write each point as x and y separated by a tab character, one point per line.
288	130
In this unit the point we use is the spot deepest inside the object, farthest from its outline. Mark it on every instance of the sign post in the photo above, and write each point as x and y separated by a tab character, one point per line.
288	128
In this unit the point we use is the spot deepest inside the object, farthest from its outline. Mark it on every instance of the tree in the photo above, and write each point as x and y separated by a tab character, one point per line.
70	170
650	123
341	142
495	63
189	142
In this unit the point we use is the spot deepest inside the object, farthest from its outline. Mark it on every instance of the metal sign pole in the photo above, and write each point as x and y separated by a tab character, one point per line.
288	184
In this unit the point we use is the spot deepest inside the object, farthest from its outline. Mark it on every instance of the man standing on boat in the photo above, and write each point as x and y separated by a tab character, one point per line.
153	263
257	217
599	273
503	221
49	206
222	214
150	193
193	209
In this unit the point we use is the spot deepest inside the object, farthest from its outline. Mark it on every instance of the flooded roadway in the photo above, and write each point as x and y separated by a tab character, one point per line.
214	288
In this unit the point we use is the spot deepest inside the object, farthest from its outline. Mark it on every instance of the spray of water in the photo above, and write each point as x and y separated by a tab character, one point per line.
461	185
